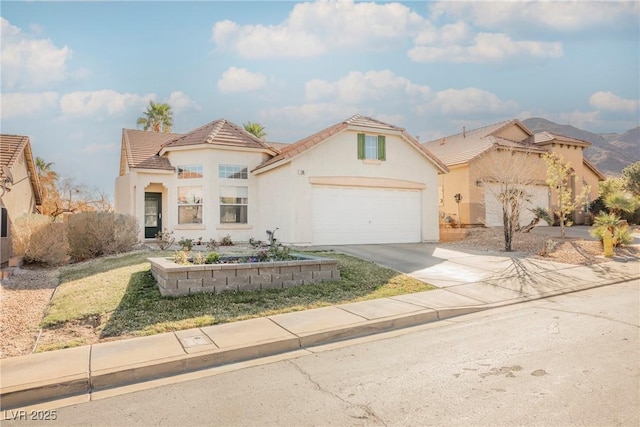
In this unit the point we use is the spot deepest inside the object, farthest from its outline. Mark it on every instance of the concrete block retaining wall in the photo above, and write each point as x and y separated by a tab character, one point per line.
177	280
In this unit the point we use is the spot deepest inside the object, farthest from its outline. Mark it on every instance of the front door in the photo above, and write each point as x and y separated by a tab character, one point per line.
152	214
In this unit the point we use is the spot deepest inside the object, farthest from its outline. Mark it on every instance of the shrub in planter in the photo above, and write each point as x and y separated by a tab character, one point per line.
92	234
39	240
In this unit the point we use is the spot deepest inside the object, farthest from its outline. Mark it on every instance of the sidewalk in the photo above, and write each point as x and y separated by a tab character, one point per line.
467	284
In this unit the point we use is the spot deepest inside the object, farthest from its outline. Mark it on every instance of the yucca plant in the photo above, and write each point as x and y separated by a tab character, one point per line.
539	214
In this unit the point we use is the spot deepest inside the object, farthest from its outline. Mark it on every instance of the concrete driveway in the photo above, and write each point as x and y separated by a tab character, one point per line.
431	263
484	272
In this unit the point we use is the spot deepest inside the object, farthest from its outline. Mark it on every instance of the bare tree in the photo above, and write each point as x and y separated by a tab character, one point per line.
507	174
70	197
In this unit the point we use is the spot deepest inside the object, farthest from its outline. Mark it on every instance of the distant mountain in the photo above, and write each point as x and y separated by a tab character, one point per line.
610	152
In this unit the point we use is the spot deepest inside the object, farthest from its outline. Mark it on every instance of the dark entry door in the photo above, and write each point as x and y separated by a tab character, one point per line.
152	214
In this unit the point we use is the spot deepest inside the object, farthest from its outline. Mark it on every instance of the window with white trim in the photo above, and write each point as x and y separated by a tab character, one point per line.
189	171
234	204
190	205
232	172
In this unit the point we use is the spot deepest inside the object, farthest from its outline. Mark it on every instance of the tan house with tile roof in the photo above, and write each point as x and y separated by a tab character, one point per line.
358	181
19	187
465	199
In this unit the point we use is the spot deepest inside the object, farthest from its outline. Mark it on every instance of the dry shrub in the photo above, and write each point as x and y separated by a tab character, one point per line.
39	240
92	234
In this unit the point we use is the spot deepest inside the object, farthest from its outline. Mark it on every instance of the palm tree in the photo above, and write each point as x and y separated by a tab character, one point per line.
45	173
255	129
157	117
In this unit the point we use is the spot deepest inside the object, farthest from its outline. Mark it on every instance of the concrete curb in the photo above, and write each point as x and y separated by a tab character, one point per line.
39	378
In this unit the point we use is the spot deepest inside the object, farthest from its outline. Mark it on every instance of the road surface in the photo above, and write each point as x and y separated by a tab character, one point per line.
567	360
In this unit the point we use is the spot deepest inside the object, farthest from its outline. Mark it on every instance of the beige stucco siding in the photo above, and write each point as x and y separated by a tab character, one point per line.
19	201
276	208
513	133
457	181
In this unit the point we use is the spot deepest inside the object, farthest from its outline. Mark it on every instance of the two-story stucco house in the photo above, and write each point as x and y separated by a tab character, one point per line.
358	181
465	197
20	191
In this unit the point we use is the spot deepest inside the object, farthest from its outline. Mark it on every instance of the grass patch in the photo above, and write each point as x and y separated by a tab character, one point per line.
122	299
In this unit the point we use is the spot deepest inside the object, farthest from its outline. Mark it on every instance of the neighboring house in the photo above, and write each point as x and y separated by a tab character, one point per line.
20	192
358	181
466	200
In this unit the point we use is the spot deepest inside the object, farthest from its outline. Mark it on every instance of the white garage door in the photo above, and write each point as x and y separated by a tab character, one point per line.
365	215
539	197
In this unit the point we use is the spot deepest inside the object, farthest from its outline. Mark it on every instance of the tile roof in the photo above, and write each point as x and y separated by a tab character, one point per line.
142	148
220	132
278	146
543	138
11	147
289	151
465	146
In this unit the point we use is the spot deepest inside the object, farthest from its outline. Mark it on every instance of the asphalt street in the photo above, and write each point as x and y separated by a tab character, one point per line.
568	360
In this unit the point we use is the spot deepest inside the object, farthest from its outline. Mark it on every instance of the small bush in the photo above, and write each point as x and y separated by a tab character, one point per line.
164	239
226	241
39	240
212	244
549	246
181	257
212	258
92	234
198	258
23	228
186	244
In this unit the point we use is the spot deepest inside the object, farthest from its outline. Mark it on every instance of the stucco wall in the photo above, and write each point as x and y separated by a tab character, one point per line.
574	155
456	181
337	157
18	200
513	133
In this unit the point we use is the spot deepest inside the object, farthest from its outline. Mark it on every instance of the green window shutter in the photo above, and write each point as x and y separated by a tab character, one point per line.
361	145
382	155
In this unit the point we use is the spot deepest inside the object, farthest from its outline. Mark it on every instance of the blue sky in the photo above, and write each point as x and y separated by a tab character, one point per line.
75	73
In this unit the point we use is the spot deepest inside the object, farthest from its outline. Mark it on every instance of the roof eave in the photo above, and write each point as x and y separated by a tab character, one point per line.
261	169
594	169
33	174
153	170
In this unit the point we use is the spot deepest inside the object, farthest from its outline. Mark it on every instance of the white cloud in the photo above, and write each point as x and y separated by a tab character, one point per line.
180	102
580	119
608	101
100	102
314	28
240	80
356	87
556	15
309	115
471	101
29	62
484	47
22	104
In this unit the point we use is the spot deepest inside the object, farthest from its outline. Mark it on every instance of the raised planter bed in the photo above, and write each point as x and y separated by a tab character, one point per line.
177	279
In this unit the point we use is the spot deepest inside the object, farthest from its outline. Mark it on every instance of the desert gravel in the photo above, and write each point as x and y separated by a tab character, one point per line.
23	300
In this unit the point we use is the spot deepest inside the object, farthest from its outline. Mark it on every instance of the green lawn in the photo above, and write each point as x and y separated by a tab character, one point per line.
121	298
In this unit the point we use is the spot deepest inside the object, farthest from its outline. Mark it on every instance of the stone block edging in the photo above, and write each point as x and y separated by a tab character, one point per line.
177	280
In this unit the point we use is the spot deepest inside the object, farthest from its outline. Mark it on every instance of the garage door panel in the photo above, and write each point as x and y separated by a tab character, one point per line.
359	216
539	197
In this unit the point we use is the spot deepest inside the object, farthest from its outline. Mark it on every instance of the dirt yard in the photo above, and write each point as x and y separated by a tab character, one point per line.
25	295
